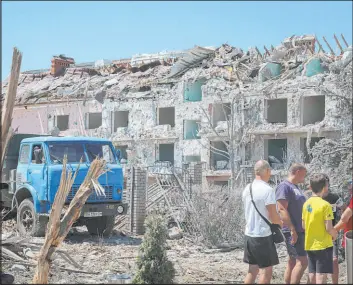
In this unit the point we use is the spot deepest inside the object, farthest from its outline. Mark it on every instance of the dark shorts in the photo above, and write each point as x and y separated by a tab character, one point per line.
321	261
260	251
297	249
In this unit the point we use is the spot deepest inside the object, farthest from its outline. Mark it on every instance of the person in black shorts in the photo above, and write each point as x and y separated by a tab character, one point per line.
336	203
319	233
259	201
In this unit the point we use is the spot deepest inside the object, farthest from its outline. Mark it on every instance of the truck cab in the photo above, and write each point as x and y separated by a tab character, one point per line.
37	178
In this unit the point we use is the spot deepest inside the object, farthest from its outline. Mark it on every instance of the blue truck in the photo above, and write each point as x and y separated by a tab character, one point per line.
31	177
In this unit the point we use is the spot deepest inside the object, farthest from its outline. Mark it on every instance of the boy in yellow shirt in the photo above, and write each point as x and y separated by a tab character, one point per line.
317	221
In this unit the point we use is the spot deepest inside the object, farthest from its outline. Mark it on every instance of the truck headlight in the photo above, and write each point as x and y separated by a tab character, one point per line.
120	209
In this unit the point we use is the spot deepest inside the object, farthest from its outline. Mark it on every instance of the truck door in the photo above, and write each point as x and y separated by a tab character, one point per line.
37	171
22	167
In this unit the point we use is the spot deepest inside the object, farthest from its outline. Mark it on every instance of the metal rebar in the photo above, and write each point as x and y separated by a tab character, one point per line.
332	52
258	52
338	43
344	40
319	44
265	48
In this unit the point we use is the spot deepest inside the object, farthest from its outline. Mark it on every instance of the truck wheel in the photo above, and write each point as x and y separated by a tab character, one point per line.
28	221
101	225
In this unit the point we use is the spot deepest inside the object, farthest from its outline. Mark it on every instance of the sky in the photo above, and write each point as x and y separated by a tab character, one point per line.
89	31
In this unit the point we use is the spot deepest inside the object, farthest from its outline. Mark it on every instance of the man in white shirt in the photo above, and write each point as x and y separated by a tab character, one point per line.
260	251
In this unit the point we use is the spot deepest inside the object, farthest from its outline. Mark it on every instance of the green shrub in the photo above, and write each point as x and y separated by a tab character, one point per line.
153	266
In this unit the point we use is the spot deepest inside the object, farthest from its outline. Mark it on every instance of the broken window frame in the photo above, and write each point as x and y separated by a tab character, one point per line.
189	84
87	120
266	110
56	121
284	152
114	128
158	154
226	106
302	108
159	118
196	137
214	152
307	158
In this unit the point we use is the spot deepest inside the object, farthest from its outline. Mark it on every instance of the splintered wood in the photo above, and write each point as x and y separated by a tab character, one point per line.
57	230
7	107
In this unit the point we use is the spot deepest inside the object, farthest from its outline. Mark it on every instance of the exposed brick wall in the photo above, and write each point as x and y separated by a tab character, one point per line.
136	198
58	65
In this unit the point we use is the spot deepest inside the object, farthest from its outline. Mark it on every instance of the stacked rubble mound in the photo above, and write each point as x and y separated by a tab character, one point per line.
293	64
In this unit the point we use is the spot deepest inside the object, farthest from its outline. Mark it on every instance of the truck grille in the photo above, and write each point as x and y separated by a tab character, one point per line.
19	177
93	197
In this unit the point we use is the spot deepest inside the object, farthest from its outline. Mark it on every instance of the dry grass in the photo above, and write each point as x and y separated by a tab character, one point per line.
218	217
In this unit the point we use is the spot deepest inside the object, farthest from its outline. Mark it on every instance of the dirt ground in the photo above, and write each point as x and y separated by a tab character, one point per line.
104	257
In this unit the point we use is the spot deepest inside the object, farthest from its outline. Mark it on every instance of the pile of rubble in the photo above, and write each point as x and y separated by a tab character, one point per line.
295	59
102	261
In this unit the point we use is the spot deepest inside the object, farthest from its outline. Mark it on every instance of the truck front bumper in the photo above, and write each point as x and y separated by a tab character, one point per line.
98	210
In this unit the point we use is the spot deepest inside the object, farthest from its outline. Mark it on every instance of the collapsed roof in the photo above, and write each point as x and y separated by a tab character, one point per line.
294	58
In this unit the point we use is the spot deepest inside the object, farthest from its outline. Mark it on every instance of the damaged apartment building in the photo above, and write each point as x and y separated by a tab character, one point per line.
185	107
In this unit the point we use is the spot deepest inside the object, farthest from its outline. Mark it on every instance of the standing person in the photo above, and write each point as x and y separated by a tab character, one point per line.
336	203
319	231
290	200
260	251
346	221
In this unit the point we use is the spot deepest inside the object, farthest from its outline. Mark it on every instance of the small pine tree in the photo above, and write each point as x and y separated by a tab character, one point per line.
153	266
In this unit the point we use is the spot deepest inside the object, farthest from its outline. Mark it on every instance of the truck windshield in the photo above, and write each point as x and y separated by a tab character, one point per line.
74	152
100	150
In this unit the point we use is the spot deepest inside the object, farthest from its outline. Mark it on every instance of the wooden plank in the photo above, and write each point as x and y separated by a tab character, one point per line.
7	108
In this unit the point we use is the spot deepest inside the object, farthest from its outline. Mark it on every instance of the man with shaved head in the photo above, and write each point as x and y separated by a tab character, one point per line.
260	251
290	199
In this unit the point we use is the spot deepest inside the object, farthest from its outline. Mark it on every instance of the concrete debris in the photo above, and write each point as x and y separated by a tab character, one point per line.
279	96
242	65
18	267
343	62
221	126
175	233
28	253
269	70
118	278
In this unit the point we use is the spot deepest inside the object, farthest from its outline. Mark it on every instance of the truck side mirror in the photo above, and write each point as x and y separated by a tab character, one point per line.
118	153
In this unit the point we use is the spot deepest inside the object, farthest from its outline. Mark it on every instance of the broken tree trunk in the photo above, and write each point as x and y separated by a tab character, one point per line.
57	230
7	108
